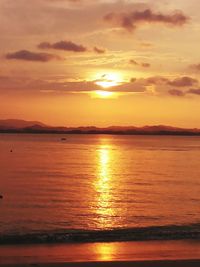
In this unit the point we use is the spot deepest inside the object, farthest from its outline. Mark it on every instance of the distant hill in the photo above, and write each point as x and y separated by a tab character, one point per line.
22	126
17	124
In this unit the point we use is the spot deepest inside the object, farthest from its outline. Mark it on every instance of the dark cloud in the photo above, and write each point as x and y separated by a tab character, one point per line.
156	80
176	92
32	56
99	50
183	82
132	80
178	82
130	21
194	91
145	65
195	67
63	45
133	62
142	64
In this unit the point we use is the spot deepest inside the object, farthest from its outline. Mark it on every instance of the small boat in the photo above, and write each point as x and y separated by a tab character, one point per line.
63	139
1	196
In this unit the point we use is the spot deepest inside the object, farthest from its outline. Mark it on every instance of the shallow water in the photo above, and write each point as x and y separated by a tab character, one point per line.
98	182
92	252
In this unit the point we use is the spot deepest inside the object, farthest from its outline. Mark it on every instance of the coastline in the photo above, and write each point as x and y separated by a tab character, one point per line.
174	263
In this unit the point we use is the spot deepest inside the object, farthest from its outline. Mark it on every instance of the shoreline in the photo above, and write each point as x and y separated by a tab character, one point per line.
178	134
156	263
151	233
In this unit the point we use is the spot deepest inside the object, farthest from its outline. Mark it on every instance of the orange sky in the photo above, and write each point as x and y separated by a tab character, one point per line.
102	62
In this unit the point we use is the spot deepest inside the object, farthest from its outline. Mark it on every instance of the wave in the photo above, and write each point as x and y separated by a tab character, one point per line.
171	232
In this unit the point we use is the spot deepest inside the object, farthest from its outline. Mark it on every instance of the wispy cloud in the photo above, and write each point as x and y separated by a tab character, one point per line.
32	56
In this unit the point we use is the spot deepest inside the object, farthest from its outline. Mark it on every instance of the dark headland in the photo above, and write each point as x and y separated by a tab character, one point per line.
34	127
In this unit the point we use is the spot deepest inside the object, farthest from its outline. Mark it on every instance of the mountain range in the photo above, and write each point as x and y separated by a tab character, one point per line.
22	126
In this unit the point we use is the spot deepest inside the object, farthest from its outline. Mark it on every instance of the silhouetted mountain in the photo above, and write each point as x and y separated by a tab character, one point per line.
17	124
21	126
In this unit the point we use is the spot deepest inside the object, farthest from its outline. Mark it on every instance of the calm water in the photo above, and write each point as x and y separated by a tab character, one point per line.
98	182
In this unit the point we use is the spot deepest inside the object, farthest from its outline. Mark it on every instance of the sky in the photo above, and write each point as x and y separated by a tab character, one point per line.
101	62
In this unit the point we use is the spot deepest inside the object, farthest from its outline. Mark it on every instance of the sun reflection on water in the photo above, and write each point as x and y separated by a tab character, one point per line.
104	155
105	251
103	187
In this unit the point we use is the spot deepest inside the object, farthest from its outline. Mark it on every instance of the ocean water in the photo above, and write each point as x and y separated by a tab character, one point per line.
98	188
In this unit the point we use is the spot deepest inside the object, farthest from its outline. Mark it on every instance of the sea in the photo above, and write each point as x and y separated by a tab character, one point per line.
89	188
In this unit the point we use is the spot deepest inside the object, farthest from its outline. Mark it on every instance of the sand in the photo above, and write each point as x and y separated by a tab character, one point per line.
174	263
120	254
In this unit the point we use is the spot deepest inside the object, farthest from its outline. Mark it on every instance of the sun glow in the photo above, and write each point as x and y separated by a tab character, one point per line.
107	84
104	94
108	80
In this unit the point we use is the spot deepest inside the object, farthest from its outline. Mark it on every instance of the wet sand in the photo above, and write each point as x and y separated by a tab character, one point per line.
143	254
175	263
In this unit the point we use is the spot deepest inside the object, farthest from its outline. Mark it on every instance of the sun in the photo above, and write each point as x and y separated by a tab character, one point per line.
107	84
108	80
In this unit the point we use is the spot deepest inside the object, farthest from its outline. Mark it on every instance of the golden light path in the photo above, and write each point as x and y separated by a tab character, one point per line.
103	187
105	251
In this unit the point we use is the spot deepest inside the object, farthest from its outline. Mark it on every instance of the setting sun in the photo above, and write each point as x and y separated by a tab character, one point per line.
109	80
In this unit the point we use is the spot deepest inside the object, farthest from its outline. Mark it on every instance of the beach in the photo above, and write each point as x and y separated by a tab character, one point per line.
151	253
175	263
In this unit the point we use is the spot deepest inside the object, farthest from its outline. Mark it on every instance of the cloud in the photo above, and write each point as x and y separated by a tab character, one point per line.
133	62
99	50
59	85
183	82
176	92
142	64
63	45
32	56
156	80
26	85
146	65
130	21
194	91
146	45
195	67
177	82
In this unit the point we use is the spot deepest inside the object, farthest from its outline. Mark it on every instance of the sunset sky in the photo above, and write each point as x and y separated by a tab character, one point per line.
101	62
